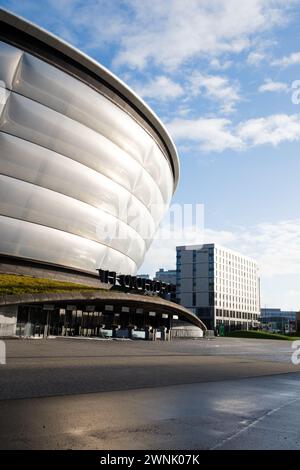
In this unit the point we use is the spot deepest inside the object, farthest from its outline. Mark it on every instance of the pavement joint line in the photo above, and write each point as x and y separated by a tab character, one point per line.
254	423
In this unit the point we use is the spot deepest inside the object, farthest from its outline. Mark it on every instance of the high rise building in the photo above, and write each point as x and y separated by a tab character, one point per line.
168	275
219	285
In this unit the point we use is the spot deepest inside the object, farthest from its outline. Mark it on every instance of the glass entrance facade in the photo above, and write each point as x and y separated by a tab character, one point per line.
93	320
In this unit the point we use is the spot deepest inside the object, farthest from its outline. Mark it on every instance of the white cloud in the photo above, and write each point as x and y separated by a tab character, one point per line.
270	85
212	134
260	51
183	111
160	87
216	134
255	58
278	247
216	88
217	65
272	129
275	246
89	25
292	59
164	33
170	33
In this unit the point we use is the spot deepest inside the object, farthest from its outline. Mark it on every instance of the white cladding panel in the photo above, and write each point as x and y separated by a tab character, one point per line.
82	184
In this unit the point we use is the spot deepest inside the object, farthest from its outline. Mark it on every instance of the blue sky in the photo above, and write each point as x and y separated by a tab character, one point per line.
219	74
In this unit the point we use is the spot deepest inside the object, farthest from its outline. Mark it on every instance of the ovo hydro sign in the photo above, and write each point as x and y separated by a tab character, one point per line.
136	283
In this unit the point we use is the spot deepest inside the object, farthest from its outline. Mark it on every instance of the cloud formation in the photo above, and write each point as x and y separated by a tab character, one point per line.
159	88
275	246
170	33
286	61
272	86
165	34
255	58
217	134
216	88
212	134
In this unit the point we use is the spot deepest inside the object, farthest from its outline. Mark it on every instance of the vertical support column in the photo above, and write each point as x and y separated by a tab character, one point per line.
46	329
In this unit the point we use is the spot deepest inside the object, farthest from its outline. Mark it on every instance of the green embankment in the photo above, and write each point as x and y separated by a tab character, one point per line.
11	284
261	335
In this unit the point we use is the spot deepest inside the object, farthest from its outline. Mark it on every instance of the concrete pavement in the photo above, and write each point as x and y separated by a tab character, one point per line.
222	393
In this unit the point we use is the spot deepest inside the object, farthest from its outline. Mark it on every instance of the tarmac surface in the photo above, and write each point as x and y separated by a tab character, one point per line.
223	393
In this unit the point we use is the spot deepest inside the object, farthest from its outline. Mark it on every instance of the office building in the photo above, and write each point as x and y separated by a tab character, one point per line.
168	275
276	320
219	285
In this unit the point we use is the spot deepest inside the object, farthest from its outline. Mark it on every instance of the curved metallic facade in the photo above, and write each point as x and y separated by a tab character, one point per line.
83	184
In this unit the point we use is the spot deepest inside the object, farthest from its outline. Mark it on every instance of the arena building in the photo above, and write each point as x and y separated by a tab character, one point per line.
87	170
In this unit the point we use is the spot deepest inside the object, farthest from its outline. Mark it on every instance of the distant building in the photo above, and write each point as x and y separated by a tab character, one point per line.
277	320
144	276
168	276
219	285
